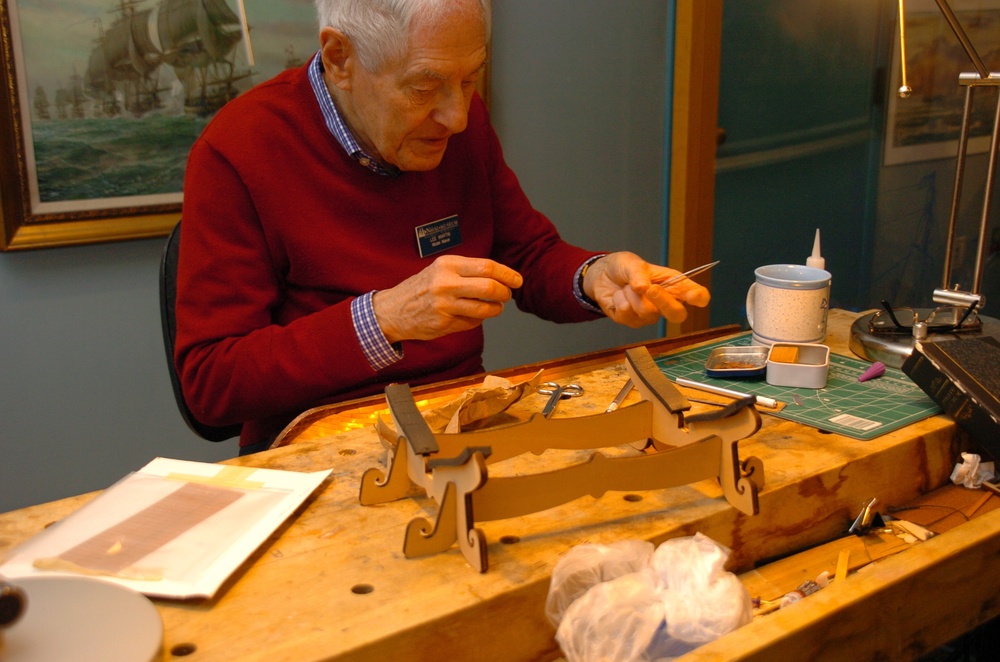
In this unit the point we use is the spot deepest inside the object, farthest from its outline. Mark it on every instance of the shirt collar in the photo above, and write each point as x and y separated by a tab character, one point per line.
336	125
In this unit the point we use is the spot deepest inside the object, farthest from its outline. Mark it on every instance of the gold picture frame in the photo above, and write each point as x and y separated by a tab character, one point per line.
37	209
79	177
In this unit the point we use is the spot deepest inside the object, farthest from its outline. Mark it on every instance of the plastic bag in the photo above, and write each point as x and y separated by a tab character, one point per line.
614	620
702	601
585	566
682	599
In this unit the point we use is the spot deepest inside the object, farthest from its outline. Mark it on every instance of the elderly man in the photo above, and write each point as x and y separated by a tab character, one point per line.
351	223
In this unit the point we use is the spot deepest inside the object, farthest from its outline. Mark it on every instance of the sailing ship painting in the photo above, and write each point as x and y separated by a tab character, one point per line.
196	38
115	92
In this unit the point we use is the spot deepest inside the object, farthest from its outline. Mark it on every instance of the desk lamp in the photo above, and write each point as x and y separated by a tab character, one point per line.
887	335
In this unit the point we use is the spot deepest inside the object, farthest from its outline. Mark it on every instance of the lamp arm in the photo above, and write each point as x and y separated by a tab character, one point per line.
956	27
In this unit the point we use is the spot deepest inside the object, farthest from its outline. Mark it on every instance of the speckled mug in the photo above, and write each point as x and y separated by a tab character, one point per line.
788	303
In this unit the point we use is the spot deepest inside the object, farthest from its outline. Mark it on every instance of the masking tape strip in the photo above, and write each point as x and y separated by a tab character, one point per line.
227	477
121	545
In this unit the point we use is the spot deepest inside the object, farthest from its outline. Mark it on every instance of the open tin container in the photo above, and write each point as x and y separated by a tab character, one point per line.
737	361
803	365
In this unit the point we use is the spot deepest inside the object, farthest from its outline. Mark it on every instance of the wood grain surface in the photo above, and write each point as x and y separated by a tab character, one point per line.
333	584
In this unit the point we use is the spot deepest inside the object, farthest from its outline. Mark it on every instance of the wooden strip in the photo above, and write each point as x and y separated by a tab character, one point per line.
121	545
842	564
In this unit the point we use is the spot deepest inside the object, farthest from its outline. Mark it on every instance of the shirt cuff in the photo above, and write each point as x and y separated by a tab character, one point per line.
379	352
578	292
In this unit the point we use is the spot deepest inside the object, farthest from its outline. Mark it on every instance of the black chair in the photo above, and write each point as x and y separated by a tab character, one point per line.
168	297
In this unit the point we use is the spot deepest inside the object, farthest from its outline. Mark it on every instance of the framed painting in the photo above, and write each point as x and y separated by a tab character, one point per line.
925	125
103	99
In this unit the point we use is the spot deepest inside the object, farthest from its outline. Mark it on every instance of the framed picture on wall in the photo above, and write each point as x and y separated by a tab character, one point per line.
104	98
925	125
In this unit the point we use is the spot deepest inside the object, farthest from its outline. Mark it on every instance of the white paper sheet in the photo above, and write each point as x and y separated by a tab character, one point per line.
144	534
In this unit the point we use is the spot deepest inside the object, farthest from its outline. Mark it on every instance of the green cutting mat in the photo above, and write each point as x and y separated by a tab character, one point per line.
862	410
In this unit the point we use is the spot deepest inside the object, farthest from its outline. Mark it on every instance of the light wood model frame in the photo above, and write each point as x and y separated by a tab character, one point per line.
452	468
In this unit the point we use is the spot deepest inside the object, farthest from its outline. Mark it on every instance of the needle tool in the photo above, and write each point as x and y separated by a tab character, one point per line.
688	274
620	397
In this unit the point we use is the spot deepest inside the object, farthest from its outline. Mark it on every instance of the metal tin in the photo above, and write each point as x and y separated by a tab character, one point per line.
741	361
810	369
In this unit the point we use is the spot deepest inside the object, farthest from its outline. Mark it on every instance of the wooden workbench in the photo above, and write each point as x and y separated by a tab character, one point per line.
332	584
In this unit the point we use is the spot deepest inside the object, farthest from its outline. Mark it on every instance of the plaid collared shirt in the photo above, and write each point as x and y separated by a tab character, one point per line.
379	352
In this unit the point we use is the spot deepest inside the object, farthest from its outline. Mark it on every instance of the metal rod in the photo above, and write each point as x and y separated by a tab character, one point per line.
956	27
984	222
904	88
956	196
761	400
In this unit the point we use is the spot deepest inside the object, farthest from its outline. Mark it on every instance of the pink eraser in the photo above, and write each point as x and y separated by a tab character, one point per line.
877	369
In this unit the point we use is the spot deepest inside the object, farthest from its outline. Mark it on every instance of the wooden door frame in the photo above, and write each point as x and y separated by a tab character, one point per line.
694	139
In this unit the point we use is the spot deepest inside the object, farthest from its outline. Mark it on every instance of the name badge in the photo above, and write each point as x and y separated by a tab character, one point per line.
437	236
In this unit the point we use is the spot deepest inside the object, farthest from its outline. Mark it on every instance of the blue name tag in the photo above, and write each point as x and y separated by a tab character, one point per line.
438	236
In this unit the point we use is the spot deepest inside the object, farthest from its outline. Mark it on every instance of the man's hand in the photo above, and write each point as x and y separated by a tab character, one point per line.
452	294
627	289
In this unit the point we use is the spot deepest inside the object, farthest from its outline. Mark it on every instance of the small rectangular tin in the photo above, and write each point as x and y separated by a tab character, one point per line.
810	369
741	361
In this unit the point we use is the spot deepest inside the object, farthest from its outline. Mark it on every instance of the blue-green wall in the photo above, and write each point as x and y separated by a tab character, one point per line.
804	96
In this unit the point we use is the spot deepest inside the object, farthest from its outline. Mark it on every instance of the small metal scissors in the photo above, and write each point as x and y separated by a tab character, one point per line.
557	392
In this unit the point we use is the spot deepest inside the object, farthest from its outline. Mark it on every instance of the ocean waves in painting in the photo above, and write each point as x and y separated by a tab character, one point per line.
97	158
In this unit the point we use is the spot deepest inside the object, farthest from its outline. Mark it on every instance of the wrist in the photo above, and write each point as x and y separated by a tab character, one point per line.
582	281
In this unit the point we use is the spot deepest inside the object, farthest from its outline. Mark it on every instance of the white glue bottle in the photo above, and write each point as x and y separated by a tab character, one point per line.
816	259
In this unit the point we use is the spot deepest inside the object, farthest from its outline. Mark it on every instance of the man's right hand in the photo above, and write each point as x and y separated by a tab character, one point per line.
453	294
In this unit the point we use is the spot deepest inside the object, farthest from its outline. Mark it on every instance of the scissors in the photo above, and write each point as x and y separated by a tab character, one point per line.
557	392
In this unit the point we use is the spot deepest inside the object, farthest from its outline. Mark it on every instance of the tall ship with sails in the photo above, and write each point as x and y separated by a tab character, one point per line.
197	39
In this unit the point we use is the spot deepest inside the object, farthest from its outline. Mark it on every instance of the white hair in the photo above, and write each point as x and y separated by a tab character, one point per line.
379	29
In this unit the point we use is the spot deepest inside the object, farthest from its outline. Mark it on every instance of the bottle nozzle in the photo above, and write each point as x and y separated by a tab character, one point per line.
816	259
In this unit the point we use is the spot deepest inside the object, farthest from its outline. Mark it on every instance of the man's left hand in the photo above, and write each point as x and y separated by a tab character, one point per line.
627	288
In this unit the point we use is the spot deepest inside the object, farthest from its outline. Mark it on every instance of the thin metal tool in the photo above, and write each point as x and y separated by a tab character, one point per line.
688	274
770	403
557	392
620	397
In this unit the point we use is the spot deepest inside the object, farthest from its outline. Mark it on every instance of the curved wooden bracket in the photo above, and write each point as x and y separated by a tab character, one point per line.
451	468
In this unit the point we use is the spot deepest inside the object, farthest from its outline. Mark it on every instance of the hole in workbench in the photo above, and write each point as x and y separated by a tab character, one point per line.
182	650
632	497
362	589
348	451
510	540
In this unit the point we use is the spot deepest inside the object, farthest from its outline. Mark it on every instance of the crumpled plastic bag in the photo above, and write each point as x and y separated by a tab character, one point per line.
585	566
702	600
680	600
971	472
615	620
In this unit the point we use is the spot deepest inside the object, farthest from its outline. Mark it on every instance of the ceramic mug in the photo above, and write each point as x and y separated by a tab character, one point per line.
788	303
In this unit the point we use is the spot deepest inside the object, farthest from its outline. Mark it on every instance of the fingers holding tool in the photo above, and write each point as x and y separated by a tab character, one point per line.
635	293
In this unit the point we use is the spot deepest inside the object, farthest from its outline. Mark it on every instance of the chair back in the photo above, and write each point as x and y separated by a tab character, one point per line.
168	298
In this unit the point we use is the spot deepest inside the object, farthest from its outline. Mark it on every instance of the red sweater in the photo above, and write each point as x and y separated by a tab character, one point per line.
282	230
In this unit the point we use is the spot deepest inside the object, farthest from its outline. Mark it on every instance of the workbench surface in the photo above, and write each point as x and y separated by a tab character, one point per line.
333	582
